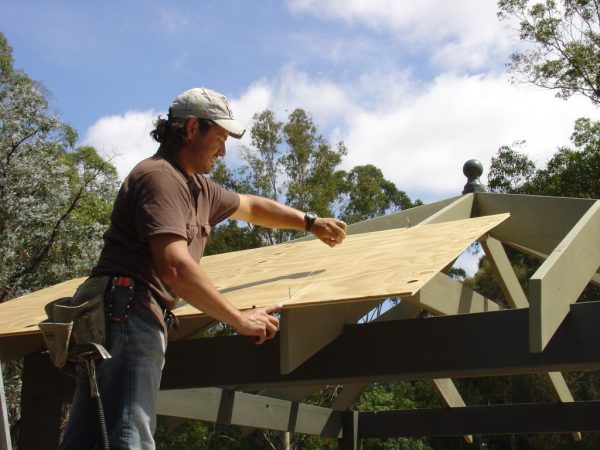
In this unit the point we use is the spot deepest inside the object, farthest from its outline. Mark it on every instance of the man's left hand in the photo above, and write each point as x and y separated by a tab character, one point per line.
330	231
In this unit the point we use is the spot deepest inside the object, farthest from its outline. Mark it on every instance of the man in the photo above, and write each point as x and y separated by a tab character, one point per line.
159	225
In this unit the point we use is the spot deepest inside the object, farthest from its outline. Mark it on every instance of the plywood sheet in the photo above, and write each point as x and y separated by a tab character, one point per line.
366	266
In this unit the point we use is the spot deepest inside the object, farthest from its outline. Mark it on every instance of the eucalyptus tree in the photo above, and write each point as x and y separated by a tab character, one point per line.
564	45
54	199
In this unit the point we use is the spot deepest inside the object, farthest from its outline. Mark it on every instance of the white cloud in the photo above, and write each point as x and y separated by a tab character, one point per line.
422	144
465	34
420	134
124	138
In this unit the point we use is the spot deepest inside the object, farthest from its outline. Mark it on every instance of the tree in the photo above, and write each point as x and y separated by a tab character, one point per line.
55	200
312	182
369	194
288	162
510	170
565	38
568	173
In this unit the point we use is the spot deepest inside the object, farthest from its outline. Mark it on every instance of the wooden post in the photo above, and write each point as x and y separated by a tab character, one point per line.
43	393
350	439
5	443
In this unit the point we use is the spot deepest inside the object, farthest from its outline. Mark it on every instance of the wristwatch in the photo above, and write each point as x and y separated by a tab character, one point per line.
309	220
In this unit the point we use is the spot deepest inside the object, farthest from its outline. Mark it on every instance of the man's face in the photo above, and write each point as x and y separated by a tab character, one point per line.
207	148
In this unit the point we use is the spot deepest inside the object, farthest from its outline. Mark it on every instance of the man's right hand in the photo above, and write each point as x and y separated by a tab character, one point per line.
259	323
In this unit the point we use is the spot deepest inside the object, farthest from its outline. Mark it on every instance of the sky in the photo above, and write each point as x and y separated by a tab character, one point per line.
415	88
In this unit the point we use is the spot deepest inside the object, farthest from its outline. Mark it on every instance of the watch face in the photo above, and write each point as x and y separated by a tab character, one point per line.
309	219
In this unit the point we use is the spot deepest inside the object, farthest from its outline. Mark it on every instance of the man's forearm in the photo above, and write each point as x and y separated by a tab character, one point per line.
191	283
268	213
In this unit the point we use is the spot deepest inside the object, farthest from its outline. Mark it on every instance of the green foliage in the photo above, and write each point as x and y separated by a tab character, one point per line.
569	173
565	51
369	194
55	201
292	163
510	170
402	395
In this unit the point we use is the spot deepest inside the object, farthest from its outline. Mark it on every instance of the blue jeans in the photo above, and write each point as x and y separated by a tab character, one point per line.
129	383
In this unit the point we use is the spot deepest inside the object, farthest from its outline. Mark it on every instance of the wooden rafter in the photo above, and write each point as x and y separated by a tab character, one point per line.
561	278
516	299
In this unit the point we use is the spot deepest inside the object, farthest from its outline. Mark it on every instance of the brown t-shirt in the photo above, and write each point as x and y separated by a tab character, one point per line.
156	198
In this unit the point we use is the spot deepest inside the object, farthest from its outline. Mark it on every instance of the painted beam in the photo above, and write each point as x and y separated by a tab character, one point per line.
461	208
560	280
248	410
445	296
350	439
5	443
191	328
536	222
482	420
516	298
505	275
562	392
447	392
401	219
305	331
43	392
351	392
595	280
464	345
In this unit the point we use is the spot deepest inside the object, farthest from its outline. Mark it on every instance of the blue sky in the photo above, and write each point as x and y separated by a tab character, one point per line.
413	87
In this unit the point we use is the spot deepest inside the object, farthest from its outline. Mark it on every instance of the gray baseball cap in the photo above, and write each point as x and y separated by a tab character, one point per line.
207	104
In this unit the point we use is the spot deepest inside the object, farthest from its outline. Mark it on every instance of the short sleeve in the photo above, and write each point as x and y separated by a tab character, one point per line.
161	206
223	203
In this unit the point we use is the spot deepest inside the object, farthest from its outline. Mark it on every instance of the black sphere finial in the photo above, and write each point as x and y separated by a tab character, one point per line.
473	170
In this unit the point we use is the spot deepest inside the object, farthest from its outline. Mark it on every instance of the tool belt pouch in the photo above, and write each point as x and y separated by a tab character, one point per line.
120	298
76	320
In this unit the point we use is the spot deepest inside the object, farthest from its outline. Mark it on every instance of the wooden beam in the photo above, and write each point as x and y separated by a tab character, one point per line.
595	280
451	297
191	328
496	419
5	443
43	392
325	322
562	392
505	274
562	277
351	392
350	439
461	208
17	347
465	345
445	296
536	222
305	331
248	410
513	292
446	390
402	219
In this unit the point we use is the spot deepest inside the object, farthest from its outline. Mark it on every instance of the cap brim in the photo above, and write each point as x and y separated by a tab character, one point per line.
234	128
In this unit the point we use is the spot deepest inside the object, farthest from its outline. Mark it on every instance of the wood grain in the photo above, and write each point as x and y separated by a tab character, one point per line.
366	266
